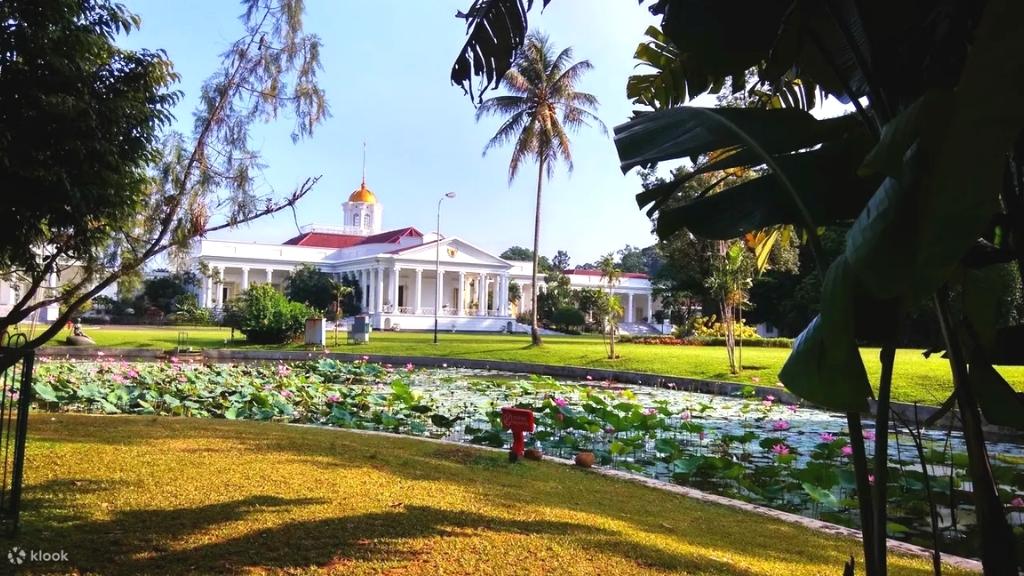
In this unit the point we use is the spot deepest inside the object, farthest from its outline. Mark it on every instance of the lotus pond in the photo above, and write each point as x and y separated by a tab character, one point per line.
751	448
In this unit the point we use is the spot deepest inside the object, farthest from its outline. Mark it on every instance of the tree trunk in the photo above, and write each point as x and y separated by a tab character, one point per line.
730	342
998	550
535	328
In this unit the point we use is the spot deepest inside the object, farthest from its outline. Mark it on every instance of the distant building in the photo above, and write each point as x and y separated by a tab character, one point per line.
397	270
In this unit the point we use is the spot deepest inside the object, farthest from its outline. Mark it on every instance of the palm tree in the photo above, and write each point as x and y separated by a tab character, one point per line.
611	306
541	104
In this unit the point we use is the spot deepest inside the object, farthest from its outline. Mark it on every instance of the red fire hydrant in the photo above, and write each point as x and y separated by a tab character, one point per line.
519	421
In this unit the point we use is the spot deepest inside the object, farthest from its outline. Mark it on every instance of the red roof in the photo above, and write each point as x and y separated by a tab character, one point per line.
584	272
392	236
324	240
329	240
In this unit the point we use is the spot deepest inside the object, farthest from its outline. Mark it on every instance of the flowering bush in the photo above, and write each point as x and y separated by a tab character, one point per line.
265	316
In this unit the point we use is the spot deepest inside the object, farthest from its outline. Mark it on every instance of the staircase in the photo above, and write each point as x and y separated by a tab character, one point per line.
638	329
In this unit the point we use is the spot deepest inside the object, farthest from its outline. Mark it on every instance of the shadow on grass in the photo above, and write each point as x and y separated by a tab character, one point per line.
145	541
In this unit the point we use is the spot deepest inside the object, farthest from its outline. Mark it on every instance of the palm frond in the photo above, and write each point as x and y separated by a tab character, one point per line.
501	106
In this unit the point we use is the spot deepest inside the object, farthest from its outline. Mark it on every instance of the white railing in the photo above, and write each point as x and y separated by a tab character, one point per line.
405	310
429	311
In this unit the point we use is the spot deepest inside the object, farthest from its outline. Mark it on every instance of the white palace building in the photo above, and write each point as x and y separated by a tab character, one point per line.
405	275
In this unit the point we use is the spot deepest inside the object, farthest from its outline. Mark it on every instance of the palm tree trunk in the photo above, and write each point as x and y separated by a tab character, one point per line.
535	329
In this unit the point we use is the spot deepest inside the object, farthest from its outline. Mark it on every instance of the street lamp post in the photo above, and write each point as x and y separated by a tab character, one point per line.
438	297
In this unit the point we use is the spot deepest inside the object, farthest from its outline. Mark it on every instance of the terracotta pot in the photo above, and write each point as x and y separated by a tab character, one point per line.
585	459
533	454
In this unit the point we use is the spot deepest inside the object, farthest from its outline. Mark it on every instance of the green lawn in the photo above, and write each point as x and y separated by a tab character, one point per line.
916	378
158	495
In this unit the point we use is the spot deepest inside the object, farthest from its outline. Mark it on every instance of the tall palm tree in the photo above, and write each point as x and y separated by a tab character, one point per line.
541	104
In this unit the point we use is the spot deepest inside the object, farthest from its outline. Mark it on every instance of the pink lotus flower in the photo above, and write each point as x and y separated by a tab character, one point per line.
767	403
589	377
672	385
366	358
101	353
445	365
409	367
780	449
792	407
283	370
685	415
650	412
871	479
609	430
827	437
287	393
780	425
846	450
770	398
561	402
1017	502
333	398
132	373
869	434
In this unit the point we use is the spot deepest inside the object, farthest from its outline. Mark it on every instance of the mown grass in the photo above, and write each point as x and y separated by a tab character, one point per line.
157	495
916	378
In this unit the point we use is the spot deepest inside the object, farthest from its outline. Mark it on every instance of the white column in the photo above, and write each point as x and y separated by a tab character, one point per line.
364	289
629	307
380	289
219	286
503	299
207	292
419	291
439	292
481	295
650	307
460	305
245	278
270	275
371	300
394	287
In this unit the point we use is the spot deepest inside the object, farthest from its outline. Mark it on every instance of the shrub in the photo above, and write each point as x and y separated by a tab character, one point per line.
568	318
265	316
710	327
708	341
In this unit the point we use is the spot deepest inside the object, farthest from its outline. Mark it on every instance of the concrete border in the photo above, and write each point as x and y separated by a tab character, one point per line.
909	412
810	523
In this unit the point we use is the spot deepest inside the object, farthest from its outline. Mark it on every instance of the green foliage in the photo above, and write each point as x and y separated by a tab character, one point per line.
520	254
711	327
568	319
166	292
307	284
62	75
266	316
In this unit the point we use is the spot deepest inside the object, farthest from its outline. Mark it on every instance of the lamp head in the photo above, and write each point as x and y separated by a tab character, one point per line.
450	195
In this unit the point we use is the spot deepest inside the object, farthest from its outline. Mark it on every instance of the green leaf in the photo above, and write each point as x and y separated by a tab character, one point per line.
689	131
902	131
824	179
232	412
820	495
825	366
1000	403
44	392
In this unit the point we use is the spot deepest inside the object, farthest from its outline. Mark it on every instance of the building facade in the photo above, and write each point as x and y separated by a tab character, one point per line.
406	276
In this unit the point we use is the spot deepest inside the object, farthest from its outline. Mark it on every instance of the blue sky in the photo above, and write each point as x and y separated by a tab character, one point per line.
386	66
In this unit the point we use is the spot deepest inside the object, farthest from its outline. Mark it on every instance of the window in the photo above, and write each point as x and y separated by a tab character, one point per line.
355	220
366	221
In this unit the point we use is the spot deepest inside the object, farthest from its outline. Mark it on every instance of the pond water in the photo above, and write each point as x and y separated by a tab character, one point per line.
751	448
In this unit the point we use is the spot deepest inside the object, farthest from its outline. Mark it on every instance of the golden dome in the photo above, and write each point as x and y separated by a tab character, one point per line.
363	195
